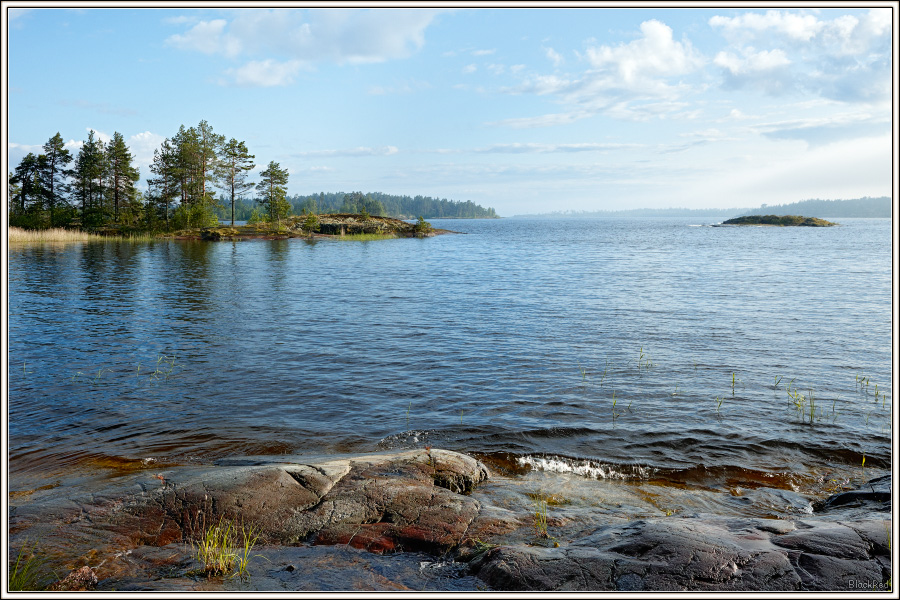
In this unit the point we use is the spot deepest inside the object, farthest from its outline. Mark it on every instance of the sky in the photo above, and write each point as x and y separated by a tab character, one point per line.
526	110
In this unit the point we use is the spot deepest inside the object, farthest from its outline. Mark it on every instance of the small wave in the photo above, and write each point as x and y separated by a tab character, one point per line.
584	468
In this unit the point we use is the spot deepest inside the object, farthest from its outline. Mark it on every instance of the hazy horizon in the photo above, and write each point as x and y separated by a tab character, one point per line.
523	110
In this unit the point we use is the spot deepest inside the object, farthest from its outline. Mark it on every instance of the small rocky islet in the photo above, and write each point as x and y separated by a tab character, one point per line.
140	532
325	226
780	221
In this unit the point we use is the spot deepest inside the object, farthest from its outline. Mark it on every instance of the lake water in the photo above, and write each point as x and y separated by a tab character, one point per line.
607	347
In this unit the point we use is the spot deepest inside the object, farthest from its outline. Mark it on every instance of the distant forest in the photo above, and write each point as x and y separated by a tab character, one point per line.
857	208
374	203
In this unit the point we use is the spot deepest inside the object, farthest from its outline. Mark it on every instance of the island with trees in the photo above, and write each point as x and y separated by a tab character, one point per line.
199	179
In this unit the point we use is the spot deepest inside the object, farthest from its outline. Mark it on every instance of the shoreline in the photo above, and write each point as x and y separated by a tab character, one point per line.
450	506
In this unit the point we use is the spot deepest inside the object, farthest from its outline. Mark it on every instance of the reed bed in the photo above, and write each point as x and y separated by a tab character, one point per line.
366	237
59	235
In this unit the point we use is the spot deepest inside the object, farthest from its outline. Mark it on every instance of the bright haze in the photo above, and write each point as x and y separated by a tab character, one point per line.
524	110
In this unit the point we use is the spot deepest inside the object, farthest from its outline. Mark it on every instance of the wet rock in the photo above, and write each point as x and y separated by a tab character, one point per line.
408	501
709	554
79	580
874	494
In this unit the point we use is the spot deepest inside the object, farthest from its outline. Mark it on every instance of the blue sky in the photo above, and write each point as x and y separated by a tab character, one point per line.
525	110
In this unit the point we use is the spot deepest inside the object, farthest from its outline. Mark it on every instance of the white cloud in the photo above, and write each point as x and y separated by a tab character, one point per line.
539	148
629	81
795	26
100	135
656	54
265	73
483	52
822	131
738	115
24	149
208	37
548	120
281	41
359	151
469	69
847	58
752	62
766	69
554	56
142	146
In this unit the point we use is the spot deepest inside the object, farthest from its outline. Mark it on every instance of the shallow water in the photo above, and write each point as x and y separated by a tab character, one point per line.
603	347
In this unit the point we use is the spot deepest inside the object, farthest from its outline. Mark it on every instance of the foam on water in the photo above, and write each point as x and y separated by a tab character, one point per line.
585	468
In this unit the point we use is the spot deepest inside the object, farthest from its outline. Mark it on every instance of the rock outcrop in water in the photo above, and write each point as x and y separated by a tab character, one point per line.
329	225
420	501
780	221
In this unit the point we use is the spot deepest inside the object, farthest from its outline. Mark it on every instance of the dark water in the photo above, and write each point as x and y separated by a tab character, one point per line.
520	341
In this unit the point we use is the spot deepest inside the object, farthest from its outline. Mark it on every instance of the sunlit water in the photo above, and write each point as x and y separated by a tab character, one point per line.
612	348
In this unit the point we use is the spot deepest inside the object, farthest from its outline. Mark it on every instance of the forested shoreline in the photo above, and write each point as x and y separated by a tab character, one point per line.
866	207
373	203
198	178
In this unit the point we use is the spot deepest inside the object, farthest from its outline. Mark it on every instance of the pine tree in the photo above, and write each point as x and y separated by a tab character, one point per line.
122	175
273	190
26	177
165	167
89	171
197	149
235	161
54	177
208	144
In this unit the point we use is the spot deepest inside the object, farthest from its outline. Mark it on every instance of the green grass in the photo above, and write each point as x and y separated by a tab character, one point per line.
540	519
27	573
224	549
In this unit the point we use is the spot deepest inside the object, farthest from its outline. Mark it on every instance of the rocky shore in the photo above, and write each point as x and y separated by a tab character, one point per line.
140	532
328	225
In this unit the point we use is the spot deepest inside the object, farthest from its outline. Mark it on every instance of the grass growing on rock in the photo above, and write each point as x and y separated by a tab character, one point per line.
224	549
27	573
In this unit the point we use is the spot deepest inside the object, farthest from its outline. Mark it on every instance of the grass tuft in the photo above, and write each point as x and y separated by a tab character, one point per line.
27	572
224	549
540	519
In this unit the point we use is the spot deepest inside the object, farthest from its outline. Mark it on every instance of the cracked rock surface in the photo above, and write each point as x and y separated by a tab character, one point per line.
138	530
838	550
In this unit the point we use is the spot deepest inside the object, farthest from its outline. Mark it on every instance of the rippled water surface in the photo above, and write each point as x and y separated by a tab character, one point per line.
619	347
